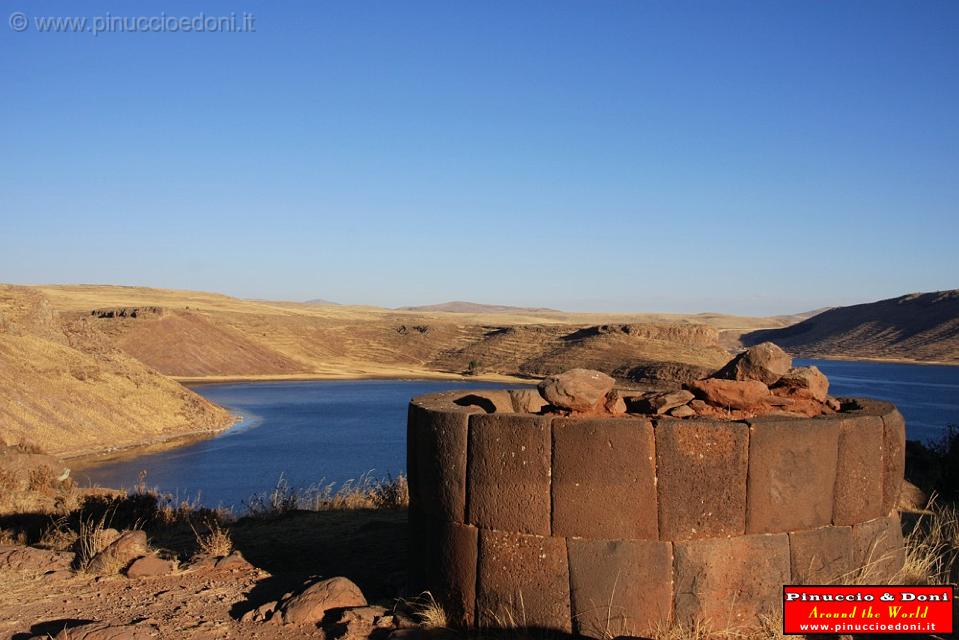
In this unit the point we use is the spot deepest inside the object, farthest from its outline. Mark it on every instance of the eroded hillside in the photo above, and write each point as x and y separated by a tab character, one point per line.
188	335
920	327
72	392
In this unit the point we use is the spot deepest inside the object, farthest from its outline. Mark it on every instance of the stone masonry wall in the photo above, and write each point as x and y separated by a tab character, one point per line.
607	526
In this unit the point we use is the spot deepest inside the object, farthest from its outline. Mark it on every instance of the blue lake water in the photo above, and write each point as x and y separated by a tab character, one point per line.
335	431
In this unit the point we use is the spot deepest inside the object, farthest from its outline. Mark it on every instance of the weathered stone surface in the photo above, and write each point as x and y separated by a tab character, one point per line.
436	455
523	580
859	470
150	566
792	472
795	406
234	560
804	382
683	411
104	631
527	400
764	362
451	570
119	553
491	401
509	475
620	587
576	389
893	459
615	404
39	561
312	604
821	556
604	478
730	394
702	469
911	498
730	581
878	547
661	403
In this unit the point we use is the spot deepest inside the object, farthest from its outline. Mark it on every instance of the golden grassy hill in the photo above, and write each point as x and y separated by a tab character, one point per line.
72	393
920	327
193	335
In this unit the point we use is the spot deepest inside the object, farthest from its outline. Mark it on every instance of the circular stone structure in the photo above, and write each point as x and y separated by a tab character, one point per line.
615	525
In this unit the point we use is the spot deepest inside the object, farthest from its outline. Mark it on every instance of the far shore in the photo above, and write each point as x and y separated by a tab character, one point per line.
412	374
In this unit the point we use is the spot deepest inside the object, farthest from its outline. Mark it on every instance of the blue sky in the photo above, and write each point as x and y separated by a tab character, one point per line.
628	156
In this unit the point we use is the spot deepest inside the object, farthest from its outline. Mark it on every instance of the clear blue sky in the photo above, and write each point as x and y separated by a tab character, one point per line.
747	157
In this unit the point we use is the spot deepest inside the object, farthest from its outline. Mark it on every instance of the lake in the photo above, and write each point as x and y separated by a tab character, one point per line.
335	431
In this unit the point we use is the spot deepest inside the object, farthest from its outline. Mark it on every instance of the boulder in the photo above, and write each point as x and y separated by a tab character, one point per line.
912	498
682	411
615	404
527	400
662	402
577	389
311	605
119	553
233	561
730	394
765	362
805	382
150	566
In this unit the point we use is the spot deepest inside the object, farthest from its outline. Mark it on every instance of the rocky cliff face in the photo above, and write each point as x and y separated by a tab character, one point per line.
71	392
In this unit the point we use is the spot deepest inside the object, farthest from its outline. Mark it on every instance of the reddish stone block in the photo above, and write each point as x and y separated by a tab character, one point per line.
604	478
858	494
620	587
792	472
436	455
878	548
442	560
509	473
821	556
701	468
893	448
893	459
523	581
728	582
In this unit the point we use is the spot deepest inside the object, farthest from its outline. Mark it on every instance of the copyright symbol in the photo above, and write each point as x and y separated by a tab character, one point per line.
18	21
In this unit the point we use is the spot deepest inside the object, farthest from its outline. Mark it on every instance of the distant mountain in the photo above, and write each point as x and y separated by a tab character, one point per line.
918	326
459	306
319	301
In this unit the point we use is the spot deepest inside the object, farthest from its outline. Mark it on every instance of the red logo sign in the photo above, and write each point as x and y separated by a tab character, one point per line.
868	609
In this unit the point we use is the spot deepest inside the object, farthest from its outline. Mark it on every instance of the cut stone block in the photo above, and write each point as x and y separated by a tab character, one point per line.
436	455
604	479
701	467
620	587
792	472
509	473
878	548
821	556
893	459
859	470
729	582
523	582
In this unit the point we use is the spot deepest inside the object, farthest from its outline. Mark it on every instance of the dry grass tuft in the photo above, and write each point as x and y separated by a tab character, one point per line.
427	611
93	537
366	493
216	541
932	547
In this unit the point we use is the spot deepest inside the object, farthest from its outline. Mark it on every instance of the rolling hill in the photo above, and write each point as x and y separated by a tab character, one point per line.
72	392
459	306
920	327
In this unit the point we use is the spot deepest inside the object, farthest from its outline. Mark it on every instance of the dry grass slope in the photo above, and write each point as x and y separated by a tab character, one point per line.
73	393
209	336
920	327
